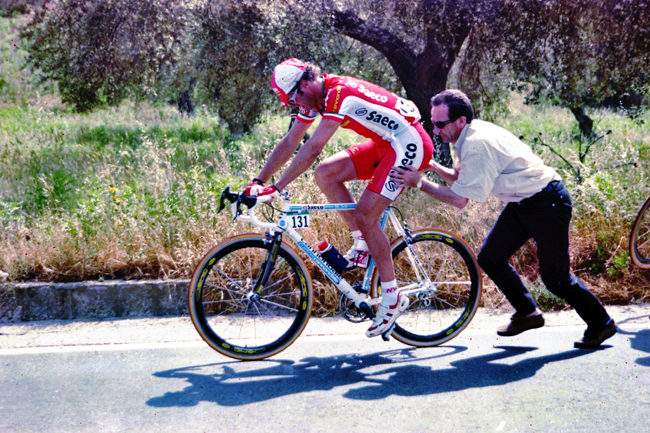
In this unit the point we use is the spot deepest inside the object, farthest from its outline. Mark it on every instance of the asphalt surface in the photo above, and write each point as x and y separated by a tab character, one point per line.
155	375
155	330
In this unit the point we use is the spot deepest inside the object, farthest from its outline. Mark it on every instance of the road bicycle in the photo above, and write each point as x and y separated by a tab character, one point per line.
251	296
640	237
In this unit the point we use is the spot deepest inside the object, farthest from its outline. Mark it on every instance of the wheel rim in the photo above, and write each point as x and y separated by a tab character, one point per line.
243	324
438	315
640	238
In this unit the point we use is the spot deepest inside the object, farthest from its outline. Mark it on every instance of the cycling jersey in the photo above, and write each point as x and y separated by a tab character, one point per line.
390	122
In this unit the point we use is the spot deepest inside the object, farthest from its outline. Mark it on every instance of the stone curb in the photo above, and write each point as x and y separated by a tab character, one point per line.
92	300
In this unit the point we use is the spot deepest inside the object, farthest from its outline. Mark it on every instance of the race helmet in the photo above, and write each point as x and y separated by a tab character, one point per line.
286	76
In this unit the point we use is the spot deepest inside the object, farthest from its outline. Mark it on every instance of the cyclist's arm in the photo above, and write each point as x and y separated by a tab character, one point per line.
284	150
308	152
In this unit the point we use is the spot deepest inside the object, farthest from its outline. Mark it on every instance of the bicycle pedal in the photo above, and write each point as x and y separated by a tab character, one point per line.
386	335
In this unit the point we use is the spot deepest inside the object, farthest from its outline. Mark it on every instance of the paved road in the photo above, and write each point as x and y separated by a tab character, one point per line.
154	375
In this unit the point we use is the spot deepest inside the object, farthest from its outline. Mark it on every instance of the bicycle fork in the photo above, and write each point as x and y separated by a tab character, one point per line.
275	241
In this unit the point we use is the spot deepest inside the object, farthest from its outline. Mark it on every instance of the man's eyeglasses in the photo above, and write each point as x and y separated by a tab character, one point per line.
442	123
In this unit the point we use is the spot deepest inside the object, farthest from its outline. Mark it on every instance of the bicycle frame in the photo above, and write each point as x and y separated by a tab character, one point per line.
250	296
286	224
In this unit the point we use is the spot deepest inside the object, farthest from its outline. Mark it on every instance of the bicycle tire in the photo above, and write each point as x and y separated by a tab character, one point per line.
234	321
438	316
640	237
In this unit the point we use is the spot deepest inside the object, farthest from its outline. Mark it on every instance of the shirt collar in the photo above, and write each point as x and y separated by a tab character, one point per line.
461	138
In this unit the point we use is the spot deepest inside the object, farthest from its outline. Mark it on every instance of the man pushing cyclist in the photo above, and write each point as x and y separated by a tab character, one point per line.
395	138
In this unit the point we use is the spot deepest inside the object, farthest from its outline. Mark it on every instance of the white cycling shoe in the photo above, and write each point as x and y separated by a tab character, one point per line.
387	315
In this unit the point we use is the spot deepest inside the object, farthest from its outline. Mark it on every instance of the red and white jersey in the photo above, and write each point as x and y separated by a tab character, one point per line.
366	108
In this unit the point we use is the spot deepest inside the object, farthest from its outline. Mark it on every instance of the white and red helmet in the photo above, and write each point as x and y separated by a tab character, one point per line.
285	77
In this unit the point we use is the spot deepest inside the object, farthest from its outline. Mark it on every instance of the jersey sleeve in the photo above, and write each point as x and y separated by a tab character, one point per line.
306	116
333	101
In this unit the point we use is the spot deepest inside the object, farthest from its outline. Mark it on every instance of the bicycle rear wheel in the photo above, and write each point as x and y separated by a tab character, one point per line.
231	317
640	237
440	313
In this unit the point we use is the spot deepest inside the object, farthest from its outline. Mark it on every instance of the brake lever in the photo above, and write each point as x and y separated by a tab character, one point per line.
226	195
243	198
237	200
248	201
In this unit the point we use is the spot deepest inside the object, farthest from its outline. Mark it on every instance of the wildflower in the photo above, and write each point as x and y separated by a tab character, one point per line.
112	191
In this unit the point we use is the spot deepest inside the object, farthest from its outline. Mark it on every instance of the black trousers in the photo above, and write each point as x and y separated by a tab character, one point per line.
545	217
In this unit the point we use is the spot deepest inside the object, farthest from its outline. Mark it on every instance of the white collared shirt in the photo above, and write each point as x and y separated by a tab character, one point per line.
493	161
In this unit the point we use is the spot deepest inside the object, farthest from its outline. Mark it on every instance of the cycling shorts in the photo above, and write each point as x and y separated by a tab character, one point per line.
374	161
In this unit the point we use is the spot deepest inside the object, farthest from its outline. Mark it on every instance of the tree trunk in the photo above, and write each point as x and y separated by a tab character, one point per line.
422	75
584	122
426	79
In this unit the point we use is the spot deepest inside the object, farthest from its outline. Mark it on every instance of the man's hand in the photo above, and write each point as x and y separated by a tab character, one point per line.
268	194
255	187
406	177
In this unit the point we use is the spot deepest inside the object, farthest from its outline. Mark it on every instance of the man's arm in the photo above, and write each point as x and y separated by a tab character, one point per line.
283	150
449	175
308	152
410	178
443	193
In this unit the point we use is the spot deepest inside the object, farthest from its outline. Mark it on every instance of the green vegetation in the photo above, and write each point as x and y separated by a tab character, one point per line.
131	191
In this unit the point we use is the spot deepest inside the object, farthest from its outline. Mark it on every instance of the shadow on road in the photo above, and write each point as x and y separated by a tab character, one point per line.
639	340
398	372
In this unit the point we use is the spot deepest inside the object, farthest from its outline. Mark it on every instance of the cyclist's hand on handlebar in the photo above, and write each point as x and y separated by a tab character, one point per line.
268	194
254	188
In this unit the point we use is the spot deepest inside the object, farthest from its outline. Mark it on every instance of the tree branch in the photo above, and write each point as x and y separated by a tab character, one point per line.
396	51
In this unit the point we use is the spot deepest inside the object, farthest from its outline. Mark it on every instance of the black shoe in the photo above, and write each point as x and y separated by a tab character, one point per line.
519	324
593	339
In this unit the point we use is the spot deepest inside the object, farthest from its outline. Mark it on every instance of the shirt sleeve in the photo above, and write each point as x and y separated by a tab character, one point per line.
478	172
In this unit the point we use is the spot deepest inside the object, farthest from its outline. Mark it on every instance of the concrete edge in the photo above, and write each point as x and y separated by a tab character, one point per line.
92	300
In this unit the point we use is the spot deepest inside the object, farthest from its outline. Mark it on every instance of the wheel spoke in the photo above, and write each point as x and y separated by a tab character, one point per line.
440	309
227	313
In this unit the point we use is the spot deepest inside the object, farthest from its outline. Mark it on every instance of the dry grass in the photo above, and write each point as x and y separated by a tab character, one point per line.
133	194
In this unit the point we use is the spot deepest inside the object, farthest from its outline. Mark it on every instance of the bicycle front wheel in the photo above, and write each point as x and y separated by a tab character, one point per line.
437	313
640	237
234	319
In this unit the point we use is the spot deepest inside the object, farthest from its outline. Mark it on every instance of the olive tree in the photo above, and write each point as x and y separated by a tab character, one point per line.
573	54
102	51
237	45
569	53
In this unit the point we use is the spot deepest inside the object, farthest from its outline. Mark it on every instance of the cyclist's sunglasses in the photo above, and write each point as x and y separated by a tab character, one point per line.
291	96
296	90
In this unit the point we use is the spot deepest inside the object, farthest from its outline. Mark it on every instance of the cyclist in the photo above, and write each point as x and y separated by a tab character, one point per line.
395	137
492	161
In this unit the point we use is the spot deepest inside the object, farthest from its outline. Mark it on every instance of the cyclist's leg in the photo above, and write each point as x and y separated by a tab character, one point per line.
413	147
356	163
366	216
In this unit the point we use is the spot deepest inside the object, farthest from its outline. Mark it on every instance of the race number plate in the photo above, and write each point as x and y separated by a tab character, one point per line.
299	221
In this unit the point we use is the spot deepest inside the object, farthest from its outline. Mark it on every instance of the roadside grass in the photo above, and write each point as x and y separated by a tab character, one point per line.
133	192
126	193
